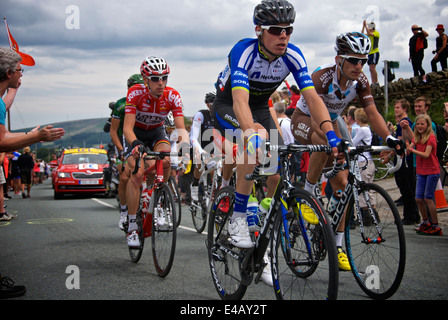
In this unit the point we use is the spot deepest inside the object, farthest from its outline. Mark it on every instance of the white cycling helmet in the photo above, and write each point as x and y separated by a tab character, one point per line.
352	42
154	66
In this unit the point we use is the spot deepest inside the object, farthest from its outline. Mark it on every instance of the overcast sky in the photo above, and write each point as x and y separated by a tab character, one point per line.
83	64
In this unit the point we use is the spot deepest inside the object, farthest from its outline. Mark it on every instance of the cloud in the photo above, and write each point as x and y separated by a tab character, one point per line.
79	71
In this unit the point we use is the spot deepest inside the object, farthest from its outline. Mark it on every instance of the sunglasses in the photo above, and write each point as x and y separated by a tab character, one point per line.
158	78
278	30
355	60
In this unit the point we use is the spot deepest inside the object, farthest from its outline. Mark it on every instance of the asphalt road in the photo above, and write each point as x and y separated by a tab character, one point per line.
53	240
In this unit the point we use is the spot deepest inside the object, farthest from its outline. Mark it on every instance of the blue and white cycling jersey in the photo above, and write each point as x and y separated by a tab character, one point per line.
250	70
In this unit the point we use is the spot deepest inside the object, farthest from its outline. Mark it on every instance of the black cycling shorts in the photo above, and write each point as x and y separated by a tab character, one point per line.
226	123
152	137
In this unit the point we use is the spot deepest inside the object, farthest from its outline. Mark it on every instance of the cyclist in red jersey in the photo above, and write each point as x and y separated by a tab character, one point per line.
147	106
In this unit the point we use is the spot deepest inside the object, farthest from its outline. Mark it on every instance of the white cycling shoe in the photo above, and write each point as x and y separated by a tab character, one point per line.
133	240
239	234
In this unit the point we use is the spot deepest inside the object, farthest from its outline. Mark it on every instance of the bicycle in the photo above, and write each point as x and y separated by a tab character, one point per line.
209	182
302	247
156	217
374	236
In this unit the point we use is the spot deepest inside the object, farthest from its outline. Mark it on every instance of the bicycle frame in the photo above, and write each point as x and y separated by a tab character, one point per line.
279	200
354	179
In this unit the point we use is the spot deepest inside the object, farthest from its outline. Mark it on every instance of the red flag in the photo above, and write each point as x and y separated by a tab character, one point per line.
27	60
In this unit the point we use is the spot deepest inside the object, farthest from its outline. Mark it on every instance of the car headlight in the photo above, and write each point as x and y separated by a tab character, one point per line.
63	175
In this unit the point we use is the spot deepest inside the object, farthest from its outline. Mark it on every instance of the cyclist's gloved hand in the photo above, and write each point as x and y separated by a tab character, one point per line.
254	141
333	139
136	144
394	143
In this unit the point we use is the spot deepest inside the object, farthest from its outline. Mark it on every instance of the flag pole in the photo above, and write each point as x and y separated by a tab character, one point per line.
10	46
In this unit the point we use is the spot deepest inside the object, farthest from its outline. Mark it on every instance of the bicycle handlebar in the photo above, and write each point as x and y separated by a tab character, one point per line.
152	155
359	150
285	151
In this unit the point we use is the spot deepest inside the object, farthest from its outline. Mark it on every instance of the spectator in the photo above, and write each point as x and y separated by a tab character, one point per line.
350	120
441	52
363	136
26	166
10	78
3	215
374	55
417	45
405	176
295	96
424	146
284	122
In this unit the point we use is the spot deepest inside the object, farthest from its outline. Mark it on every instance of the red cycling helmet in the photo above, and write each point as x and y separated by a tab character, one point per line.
154	66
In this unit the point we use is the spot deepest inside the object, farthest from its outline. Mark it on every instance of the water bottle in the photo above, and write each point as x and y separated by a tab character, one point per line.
263	209
252	214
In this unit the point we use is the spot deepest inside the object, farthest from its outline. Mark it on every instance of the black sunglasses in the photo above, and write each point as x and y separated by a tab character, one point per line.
355	60
278	30
158	78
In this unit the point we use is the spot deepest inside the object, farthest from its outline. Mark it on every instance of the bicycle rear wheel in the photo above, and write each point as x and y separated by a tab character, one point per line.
224	258
177	198
163	230
304	257
376	248
199	212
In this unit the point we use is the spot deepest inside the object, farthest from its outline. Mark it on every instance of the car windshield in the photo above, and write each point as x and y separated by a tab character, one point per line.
79	158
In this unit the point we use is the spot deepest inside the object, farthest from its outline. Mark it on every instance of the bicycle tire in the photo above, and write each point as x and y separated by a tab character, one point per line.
177	199
223	258
199	215
381	169
304	264
378	267
136	252
163	235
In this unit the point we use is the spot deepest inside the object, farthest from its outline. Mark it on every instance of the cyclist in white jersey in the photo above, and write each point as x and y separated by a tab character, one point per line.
338	84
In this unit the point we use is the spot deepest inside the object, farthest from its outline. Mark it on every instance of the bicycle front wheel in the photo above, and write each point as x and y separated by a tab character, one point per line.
199	209
163	230
304	258
224	258
375	243
177	198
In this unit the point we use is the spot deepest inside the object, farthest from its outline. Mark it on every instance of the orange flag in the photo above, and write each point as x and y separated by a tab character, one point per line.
27	60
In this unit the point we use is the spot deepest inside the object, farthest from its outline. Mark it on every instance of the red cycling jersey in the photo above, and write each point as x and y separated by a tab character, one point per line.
150	112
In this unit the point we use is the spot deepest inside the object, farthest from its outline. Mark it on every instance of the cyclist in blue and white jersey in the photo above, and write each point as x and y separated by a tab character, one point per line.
255	69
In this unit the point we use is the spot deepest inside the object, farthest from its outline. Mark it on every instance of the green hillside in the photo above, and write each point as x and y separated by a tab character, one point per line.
79	133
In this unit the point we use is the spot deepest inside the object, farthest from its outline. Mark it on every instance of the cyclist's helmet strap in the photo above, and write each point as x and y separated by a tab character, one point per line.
352	42
154	66
274	12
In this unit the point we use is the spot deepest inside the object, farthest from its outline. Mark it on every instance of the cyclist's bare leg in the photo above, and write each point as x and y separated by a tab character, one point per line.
230	151
133	191
124	179
164	147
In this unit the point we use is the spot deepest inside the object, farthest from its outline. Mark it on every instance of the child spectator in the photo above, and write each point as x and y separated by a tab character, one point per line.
424	146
